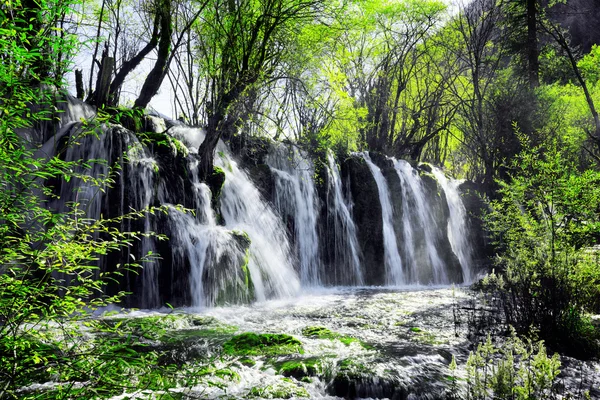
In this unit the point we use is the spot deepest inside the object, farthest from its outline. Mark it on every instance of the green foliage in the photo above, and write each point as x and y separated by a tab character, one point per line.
544	223
516	370
262	344
50	282
588	65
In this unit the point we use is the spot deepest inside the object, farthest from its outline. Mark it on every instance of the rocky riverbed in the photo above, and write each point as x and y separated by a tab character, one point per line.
330	344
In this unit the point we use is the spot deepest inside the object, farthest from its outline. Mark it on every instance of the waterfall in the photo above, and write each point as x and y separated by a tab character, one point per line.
243	208
393	262
270	264
142	167
240	247
214	254
417	216
347	267
295	196
457	223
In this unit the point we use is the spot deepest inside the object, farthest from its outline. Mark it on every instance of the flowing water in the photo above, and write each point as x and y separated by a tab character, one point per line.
346	257
418	217
295	198
279	246
458	232
393	262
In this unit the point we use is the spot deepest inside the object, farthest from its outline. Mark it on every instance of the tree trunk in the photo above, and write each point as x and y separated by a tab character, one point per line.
158	73
79	84
533	64
206	152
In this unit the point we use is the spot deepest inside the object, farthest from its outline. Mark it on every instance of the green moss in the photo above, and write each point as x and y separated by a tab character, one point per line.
299	368
415	329
262	344
241	289
352	369
215	182
190	335
163	140
320	332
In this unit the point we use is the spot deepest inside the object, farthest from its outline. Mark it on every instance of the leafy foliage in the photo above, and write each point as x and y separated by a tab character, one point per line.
545	222
517	370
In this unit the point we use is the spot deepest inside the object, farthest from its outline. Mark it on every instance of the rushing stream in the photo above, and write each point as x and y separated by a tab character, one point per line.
386	343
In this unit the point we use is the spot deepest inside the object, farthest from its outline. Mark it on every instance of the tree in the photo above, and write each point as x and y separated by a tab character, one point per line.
558	34
241	44
521	21
544	221
481	56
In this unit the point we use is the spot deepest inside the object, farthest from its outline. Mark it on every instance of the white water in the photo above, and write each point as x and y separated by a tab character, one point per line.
347	267
243	208
295	196
418	216
205	247
201	248
142	167
393	262
457	224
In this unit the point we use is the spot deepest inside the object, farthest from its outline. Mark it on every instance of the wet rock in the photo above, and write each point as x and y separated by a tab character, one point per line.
299	368
476	206
367	217
355	380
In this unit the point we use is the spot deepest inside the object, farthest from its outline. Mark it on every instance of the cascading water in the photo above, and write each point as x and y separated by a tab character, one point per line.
270	264
243	208
393	262
416	216
142	167
295	197
347	268
243	252
457	224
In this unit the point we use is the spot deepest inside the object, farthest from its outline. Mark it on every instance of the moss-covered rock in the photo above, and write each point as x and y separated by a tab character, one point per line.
320	332
299	368
262	344
228	280
215	182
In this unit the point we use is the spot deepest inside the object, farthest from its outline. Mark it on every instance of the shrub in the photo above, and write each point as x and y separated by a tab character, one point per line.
545	222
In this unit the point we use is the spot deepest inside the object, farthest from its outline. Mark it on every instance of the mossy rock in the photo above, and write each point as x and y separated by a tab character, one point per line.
215	182
240	289
285	389
356	380
299	368
161	140
188	336
320	332
262	344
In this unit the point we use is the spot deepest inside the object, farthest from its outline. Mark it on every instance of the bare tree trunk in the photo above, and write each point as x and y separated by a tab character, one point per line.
79	84
159	71
532	46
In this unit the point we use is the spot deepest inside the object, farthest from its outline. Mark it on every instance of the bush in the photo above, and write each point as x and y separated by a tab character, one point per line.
545	222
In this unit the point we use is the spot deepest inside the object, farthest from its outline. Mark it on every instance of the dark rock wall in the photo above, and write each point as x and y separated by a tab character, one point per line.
367	217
